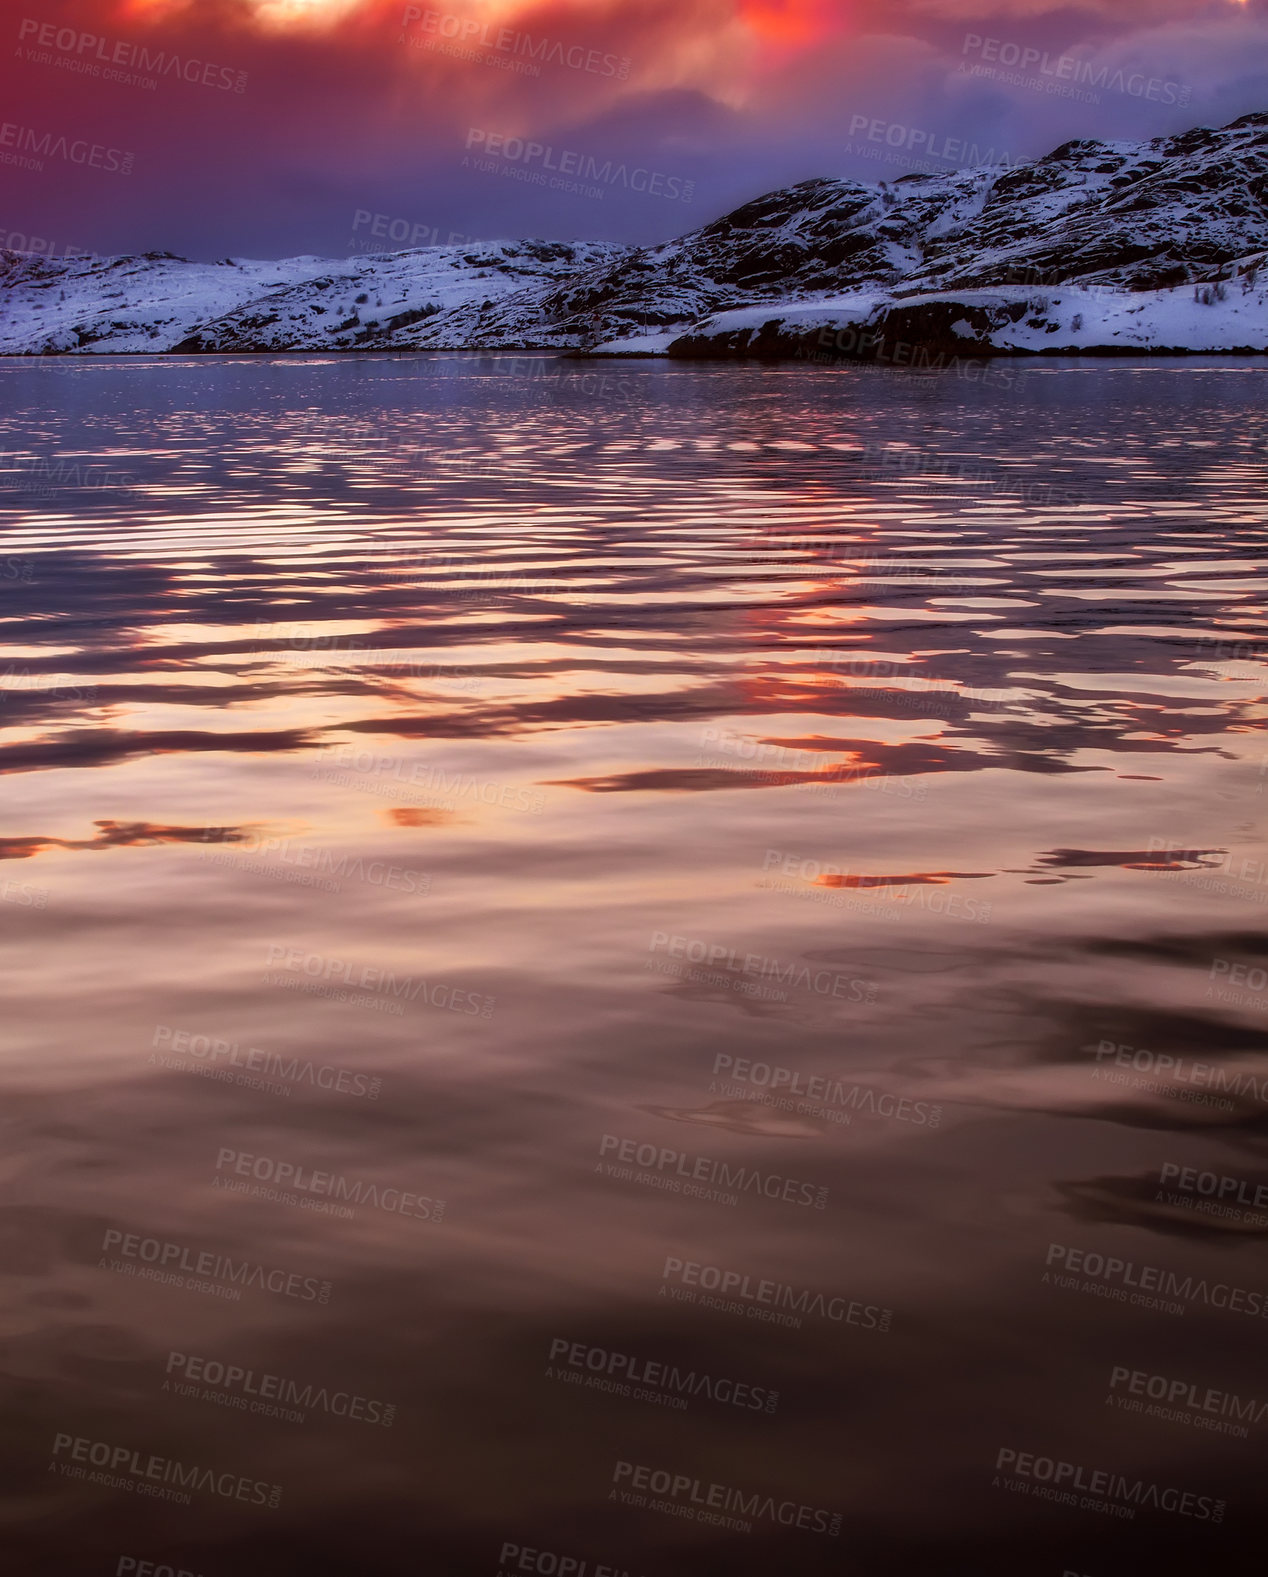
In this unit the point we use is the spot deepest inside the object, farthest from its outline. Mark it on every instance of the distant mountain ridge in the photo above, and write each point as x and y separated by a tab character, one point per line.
1109	246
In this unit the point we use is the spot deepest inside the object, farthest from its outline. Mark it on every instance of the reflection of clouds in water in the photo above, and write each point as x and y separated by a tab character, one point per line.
744	1117
419	816
597	569
96	748
1131	859
571	616
1158	1205
122	835
908	879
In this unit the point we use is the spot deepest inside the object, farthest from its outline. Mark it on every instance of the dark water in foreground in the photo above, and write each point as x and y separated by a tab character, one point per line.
653	968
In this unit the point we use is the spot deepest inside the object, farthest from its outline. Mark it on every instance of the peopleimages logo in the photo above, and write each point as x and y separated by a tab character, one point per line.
1214	1185
1065	71
570	169
306	864
162	1260
676	1164
468	32
413	776
730	966
1183	1401
38	474
271	1395
1121	1494
1231	975
289	1180
324	972
549	1563
220	1057
38	246
923	892
699	1495
134	1566
1181	1070
24	894
17	681
34	148
388	227
933	144
629	1371
87	53
1116	1275
757	1292
123	1461
815	1089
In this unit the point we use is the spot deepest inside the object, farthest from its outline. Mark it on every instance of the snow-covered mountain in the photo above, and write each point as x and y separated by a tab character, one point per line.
1099	246
159	302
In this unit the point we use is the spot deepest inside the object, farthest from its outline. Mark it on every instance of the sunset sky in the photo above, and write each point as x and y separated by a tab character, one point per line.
268	128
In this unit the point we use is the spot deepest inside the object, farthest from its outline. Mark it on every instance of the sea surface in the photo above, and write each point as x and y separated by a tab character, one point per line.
633	968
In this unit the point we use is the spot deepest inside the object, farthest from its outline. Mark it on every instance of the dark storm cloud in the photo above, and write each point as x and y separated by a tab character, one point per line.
310	113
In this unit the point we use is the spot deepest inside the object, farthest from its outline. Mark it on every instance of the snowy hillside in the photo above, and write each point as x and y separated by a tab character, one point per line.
1096	247
158	302
929	330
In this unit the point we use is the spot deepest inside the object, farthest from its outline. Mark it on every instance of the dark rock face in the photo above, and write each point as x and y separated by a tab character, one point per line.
1142	216
922	335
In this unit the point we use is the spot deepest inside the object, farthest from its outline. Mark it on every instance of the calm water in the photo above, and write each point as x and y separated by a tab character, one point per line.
658	967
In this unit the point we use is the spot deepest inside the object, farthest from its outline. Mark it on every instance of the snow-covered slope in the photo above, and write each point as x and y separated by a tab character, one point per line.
930	330
1097	246
159	302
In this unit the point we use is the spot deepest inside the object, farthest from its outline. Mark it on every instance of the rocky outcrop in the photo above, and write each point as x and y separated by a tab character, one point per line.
1096	246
